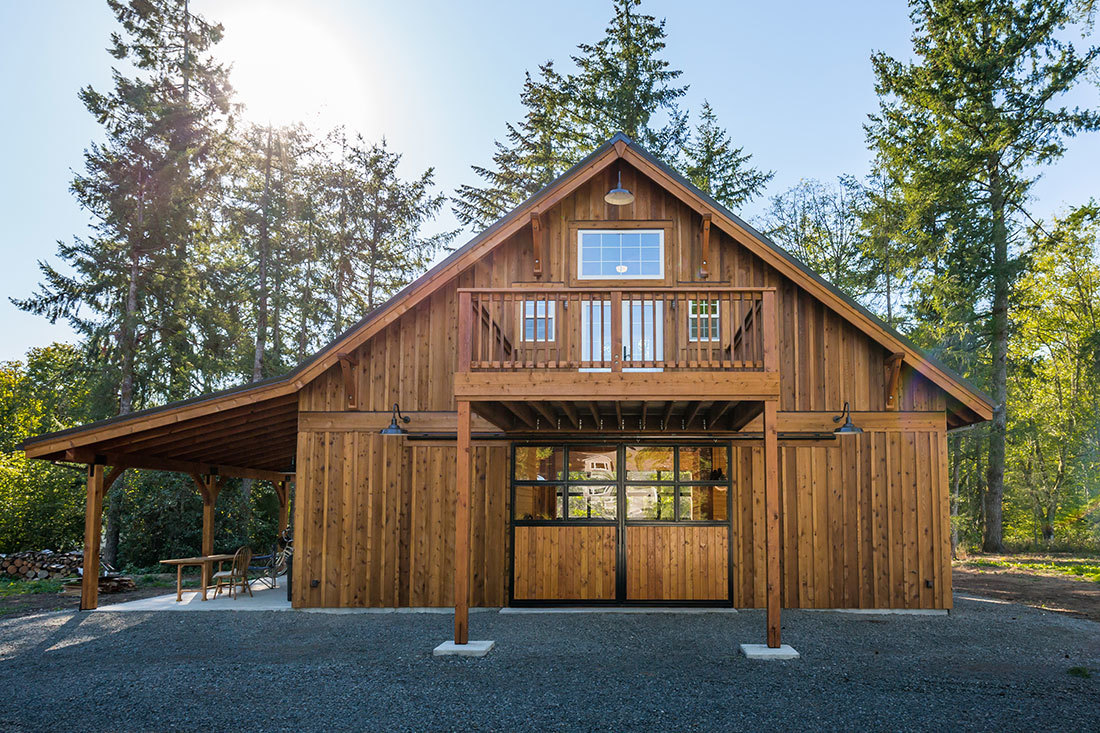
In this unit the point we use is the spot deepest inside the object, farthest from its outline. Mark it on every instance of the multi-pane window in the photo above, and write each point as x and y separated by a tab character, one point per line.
538	320
658	483
621	254
683	483
703	316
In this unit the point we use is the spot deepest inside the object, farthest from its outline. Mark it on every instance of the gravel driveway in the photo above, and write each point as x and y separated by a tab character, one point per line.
986	666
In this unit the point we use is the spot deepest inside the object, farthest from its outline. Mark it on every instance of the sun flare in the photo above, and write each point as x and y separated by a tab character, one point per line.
289	66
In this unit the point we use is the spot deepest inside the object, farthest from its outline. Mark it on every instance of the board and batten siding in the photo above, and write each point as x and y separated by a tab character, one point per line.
823	359
374	522
864	523
864	520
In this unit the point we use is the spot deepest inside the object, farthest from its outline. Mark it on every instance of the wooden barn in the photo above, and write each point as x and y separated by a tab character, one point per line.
620	393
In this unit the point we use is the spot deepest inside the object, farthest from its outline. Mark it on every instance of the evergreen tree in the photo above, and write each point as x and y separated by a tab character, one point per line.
963	130
713	164
130	282
619	84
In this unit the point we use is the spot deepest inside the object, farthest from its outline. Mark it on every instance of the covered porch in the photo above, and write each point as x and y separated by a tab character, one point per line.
247	433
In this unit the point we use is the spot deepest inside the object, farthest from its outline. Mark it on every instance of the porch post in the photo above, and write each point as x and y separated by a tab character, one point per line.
462	526
209	489
771	513
284	504
93	532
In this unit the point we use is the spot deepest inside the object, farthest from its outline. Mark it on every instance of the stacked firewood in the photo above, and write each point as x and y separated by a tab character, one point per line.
43	564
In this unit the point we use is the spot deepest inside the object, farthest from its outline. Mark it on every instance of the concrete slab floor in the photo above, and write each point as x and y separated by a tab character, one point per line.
613	609
469	649
763	651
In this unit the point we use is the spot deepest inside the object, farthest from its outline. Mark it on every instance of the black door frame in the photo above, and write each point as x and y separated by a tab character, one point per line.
620	522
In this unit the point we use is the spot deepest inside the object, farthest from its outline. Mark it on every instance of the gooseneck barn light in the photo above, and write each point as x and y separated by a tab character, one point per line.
848	428
619	196
393	428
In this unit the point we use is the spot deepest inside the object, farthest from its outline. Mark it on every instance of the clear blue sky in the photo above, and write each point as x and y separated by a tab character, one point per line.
791	81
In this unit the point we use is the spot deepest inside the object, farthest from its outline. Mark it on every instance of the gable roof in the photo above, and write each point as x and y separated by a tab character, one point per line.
618	147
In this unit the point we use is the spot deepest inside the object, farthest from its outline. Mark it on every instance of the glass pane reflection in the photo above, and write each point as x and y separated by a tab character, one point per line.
652	503
592	502
538	502
707	463
649	463
592	463
539	463
703	503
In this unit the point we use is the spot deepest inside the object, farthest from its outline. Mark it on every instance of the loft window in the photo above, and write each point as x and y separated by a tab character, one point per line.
637	254
703	320
538	320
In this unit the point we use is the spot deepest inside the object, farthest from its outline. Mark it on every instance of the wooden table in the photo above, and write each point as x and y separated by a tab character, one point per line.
203	561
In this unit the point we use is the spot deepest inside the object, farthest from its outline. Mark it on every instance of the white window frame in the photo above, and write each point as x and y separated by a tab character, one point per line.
580	259
549	316
713	319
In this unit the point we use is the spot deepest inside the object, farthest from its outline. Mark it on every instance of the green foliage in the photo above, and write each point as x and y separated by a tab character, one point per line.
623	84
41	504
962	131
28	587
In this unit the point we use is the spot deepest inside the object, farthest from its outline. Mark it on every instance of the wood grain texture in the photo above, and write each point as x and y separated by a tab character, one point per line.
863	523
375	522
565	563
677	563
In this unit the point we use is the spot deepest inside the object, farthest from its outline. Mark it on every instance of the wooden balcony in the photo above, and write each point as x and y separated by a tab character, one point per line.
684	347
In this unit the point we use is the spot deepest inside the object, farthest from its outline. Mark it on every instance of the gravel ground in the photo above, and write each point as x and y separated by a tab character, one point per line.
989	666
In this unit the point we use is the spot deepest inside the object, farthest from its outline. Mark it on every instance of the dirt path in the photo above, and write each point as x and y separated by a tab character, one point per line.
31	603
1065	594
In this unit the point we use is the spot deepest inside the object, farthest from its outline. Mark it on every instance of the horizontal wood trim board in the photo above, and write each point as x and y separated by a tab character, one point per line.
156	463
528	386
419	422
822	422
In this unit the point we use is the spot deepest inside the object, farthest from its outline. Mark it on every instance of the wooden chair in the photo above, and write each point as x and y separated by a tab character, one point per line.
236	575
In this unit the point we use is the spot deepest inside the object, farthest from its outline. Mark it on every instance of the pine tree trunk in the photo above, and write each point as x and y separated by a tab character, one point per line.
993	536
127	347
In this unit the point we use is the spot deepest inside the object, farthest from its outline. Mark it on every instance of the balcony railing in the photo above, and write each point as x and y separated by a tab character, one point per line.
617	329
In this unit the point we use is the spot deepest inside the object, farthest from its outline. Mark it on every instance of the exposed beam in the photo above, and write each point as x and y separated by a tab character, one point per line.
544	410
492	412
668	414
704	264
348	362
442	421
645	405
692	413
717	410
744	413
523	412
619	415
536	242
595	410
533	385
570	412
893	379
239	418
84	455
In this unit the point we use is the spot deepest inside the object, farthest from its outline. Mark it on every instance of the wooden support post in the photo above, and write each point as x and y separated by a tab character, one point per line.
617	331
771	517
769	324
93	533
704	265
284	502
465	331
462	527
209	487
536	242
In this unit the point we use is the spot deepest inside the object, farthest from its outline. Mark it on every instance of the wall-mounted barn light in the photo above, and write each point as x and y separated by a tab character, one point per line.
393	428
619	196
848	428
